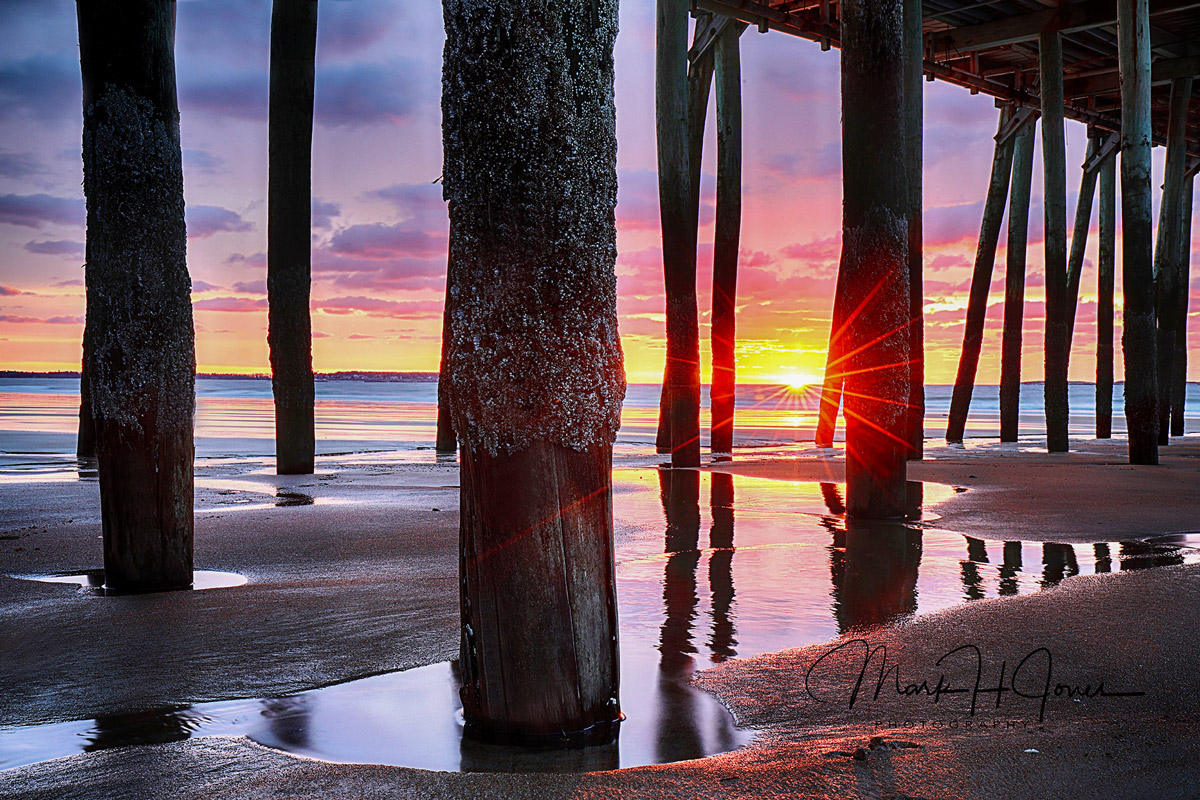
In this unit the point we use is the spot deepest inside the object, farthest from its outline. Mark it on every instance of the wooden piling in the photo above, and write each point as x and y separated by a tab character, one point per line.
1179	374
1106	272
1079	236
1138	338
727	235
289	229
874	265
1167	256
1014	284
536	378
1054	204
681	378
914	62
444	439
85	439
981	281
141	370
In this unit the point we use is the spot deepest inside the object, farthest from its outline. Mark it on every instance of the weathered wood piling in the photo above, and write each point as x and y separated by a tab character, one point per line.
1106	282
142	362
289	229
1168	252
981	278
679	417
873	276
535	367
1054	205
1138	338
1179	373
1014	284
727	234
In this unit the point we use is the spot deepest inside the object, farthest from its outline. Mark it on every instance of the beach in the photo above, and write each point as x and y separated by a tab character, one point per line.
352	573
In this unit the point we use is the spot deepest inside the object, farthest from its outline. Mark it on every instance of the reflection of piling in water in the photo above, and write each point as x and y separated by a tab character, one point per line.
1010	567
1140	555
143	727
833	498
1058	562
720	567
879	580
972	580
1103	558
287	718
678	735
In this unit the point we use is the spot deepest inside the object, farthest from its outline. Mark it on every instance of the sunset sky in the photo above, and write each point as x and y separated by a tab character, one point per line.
379	224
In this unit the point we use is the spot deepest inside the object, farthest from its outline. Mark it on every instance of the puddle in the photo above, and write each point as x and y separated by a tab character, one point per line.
93	580
710	566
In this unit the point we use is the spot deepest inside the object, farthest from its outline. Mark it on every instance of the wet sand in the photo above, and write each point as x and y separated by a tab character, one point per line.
363	581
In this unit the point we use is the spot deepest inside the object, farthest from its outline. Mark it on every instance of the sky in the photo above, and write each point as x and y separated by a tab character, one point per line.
379	223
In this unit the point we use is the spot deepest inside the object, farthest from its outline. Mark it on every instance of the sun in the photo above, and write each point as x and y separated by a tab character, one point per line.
798	380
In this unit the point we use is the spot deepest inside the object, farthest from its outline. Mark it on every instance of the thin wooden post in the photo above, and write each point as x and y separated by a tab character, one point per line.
444	439
727	235
681	378
536	377
1106	272
874	266
914	62
85	439
831	386
289	229
1014	284
1138	338
1054	204
1167	256
142	367
1079	236
981	281
1179	375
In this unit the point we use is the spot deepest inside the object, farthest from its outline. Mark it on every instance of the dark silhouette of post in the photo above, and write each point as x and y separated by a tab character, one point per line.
1168	270
874	265
141	369
1054	205
722	642
831	386
444	439
878	580
85	439
1079	235
727	234
914	87
1106	281
1014	285
536	377
1138	337
680	404
981	280
1179	373
289	229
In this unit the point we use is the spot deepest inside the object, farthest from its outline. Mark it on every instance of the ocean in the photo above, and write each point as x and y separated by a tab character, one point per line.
235	418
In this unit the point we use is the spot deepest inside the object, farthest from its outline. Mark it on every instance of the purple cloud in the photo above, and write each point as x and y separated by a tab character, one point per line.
18	165
35	210
234	304
202	161
375	307
204	221
366	94
61	247
8	291
251	287
254	259
44	86
379	241
41	320
203	286
323	213
421	203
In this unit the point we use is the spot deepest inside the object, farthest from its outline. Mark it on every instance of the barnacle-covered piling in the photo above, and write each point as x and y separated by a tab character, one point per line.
142	357
534	365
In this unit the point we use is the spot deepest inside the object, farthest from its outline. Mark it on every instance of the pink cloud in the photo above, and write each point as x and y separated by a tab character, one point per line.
230	304
375	307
